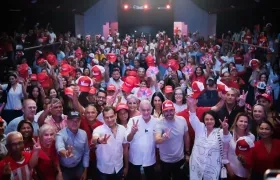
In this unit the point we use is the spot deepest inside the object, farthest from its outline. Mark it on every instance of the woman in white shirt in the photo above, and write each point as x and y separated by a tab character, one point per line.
14	93
179	99
205	160
240	128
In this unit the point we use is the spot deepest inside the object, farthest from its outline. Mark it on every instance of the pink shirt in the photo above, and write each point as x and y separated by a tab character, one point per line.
49	120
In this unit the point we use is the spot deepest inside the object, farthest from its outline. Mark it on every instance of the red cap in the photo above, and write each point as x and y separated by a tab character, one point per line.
150	61
33	77
43	79
266	96
132	73
243	148
1	120
111	57
65	69
111	87
168	89
254	63
23	70
84	83
173	64
121	106
167	104
128	84
197	89
40	61
51	58
68	91
221	87
92	90
97	72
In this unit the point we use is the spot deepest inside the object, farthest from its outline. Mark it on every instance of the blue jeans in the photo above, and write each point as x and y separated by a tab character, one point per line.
115	176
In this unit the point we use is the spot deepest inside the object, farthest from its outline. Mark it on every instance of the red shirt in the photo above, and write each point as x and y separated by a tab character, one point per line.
201	79
19	171
186	115
262	41
47	163
262	160
89	129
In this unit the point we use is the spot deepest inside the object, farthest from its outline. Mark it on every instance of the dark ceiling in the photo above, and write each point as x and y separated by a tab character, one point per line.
80	6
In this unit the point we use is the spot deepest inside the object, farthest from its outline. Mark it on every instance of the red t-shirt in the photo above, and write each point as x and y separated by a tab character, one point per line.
186	115
47	163
262	160
201	79
89	129
20	171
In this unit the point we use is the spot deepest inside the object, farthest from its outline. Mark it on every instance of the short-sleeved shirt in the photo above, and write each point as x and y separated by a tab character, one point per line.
172	149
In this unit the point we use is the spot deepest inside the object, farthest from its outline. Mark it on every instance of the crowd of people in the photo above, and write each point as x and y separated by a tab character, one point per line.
104	108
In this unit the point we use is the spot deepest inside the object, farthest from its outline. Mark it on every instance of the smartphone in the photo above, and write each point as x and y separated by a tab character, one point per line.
272	174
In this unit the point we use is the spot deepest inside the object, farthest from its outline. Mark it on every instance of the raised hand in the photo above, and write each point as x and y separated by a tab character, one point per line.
37	145
7	169
104	139
242	99
134	127
69	151
224	124
191	102
166	134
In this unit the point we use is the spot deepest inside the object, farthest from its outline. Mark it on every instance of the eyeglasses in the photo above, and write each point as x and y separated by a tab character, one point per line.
178	94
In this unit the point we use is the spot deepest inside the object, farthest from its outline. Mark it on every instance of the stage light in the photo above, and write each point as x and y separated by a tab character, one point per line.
168	6
145	6
125	6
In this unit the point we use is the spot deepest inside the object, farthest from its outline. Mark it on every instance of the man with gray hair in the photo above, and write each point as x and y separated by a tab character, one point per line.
140	134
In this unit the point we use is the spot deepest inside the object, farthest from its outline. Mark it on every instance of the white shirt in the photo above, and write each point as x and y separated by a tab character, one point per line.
142	147
14	97
52	37
235	164
117	84
110	156
227	59
179	108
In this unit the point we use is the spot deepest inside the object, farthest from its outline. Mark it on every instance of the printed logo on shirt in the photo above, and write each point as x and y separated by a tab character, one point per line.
242	149
83	83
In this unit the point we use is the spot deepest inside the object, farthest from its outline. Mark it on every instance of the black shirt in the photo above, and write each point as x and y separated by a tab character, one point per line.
230	116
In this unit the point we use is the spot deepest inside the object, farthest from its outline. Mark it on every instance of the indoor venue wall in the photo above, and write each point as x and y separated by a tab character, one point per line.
98	15
60	21
196	18
79	24
147	21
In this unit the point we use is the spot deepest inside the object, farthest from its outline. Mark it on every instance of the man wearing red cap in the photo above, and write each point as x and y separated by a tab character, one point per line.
140	134
172	137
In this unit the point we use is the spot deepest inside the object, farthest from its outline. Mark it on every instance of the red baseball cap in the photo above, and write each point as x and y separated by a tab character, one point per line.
43	79
221	87
167	104
173	64
132	73
65	69
197	89
33	77
128	84
243	149
266	96
168	89
111	87
40	61
84	83
23	70
51	58
92	90
97	72
121	106
150	61
111	57
68	91
254	63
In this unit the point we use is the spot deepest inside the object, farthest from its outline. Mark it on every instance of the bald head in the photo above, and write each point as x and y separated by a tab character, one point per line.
145	103
29	109
28	101
12	136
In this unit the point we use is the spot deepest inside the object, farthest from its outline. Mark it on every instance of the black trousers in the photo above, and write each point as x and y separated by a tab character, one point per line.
173	170
134	172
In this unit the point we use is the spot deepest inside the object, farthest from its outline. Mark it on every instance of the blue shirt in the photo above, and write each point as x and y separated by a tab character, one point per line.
79	141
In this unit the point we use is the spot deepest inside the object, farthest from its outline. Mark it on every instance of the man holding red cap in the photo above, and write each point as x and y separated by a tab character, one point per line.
172	137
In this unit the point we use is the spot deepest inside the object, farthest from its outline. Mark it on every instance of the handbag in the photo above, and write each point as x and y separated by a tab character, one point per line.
223	174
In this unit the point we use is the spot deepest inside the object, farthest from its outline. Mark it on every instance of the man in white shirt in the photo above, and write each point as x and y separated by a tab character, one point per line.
172	137
111	147
140	134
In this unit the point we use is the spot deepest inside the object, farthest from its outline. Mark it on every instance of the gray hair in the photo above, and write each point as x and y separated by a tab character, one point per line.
145	102
132	97
45	128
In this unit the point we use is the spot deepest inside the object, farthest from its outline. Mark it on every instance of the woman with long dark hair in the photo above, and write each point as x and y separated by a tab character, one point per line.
156	102
26	129
37	93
